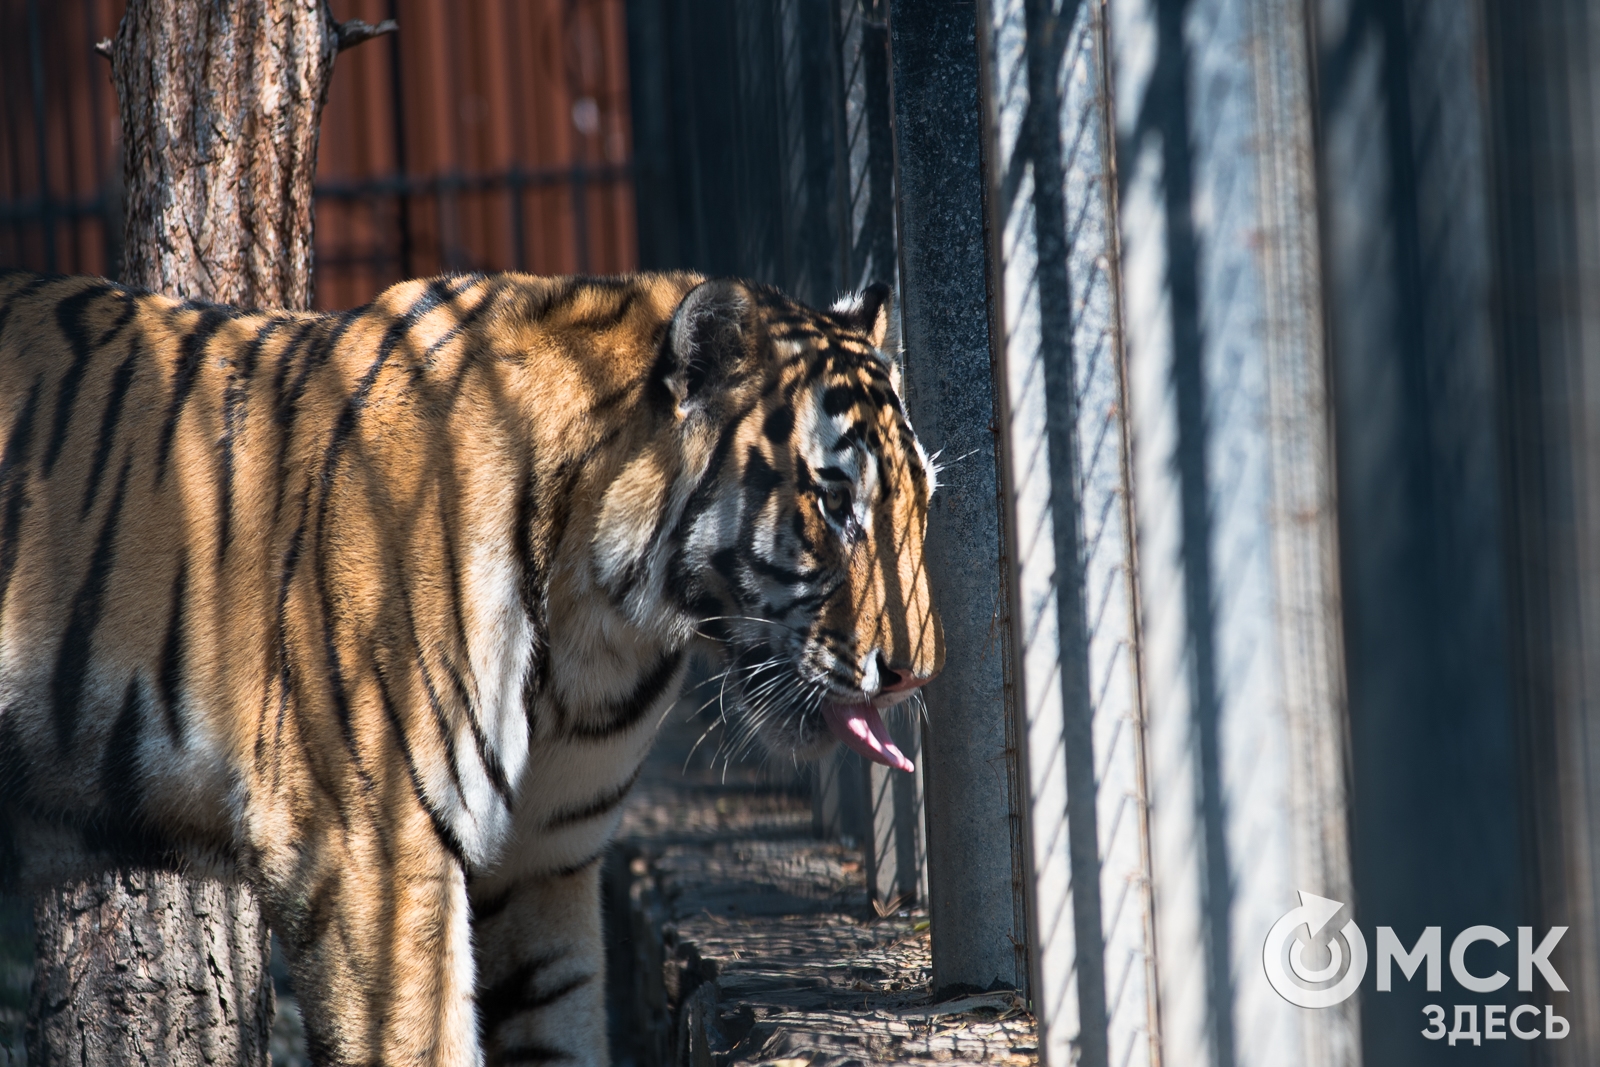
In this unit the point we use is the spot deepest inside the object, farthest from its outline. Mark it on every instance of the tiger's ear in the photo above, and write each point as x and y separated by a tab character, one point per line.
872	312
706	339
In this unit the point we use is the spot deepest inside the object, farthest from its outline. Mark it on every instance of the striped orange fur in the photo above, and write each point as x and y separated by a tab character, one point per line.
382	609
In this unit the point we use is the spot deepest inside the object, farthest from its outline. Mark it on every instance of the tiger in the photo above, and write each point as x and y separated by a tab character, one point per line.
380	610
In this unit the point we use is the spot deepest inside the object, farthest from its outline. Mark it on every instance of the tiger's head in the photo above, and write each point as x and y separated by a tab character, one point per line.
802	504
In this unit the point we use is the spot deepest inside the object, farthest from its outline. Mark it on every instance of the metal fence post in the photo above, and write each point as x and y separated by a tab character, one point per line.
974	827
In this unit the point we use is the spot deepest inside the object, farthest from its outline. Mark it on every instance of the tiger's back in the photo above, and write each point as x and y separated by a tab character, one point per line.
193	493
381	608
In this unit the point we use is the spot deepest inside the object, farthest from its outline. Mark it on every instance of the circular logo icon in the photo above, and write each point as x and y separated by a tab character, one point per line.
1284	955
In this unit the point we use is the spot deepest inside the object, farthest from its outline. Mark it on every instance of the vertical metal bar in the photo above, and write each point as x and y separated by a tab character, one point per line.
47	202
1160	318
651	95
397	103
833	219
517	191
575	88
72	213
863	218
1303	535
11	117
103	178
969	755
514	187
894	844
447	201
782	65
838	784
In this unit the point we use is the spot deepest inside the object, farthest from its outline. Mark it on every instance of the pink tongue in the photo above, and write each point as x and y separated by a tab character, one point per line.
861	728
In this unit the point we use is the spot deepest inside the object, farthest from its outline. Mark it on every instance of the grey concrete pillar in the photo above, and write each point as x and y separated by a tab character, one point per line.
975	879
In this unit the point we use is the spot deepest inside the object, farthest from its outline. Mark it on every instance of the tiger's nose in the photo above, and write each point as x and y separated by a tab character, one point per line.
898	680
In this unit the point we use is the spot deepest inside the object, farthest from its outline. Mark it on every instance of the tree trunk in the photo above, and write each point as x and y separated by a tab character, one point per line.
220	101
150	968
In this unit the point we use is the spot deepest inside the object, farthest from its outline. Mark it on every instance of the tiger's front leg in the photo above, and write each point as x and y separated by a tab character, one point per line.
541	968
377	928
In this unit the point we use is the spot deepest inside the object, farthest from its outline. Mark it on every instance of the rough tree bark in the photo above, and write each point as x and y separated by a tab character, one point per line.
220	101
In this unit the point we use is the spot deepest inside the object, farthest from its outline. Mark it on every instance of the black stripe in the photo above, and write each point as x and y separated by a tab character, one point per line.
433	296
756	565
440	719
638	703
13	488
679	577
119	769
313	356
530	559
582	865
37	282
516	992
321	908
233	414
285	678
72	320
170	680
486	753
805	602
549	997
833	474
130	308
597	807
484	910
183	378
838	399
609	319
802	537
72	661
759	480
509	989
121	379
724	563
778	424
15	774
447	836
285	407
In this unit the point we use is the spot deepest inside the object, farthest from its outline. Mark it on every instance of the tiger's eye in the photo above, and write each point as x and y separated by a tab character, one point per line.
837	502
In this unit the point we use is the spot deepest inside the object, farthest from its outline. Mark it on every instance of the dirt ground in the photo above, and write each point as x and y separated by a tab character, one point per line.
739	937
